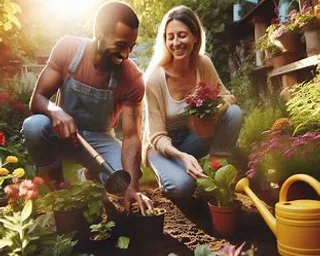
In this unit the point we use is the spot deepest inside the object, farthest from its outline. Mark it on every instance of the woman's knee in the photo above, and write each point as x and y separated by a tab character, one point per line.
234	112
182	188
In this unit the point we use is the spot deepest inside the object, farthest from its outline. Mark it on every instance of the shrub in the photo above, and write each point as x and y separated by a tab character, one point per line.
255	123
304	106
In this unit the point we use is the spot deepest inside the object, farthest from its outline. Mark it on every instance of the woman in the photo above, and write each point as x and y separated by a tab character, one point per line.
177	66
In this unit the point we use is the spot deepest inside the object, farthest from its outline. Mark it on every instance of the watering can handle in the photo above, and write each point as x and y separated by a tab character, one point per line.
298	177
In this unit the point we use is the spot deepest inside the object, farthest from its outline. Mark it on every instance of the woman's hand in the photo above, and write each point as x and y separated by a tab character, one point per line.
231	99
193	167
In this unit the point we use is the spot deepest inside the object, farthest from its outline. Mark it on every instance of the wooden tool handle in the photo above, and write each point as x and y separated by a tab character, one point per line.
90	149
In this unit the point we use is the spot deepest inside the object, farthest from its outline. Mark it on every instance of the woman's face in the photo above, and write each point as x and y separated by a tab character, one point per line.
179	40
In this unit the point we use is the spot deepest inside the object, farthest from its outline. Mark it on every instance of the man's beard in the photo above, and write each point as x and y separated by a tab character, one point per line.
107	63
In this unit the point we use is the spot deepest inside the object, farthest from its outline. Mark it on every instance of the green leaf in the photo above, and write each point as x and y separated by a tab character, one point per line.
203	250
225	176
205	183
26	211
123	242
4	243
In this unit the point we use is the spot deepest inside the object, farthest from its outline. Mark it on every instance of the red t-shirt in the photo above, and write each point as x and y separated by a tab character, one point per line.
130	89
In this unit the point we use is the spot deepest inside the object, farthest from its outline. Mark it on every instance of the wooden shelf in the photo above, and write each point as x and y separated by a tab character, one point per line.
297	65
261	68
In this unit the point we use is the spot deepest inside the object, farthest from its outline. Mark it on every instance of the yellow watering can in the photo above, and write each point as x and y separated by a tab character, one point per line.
297	223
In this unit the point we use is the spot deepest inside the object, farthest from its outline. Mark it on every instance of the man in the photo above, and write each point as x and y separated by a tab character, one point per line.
96	81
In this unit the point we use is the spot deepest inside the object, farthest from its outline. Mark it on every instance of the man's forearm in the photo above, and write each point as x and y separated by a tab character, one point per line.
131	159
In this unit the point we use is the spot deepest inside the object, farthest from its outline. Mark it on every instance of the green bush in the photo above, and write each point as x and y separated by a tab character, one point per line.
304	106
255	123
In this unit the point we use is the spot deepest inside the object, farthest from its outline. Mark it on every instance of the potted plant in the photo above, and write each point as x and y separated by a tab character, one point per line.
101	230
223	206
282	51
149	226
203	108
309	22
75	206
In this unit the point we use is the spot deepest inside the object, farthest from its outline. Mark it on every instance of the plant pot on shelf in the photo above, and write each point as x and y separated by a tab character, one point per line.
284	58
204	127
287	42
225	220
312	37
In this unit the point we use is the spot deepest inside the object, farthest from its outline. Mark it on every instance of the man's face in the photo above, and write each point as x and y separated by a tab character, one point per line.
116	45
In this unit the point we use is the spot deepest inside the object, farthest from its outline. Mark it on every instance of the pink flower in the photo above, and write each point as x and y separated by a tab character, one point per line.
31	194
38	180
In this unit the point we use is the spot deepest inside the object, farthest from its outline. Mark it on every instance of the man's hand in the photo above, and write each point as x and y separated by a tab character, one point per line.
143	201
193	167
64	125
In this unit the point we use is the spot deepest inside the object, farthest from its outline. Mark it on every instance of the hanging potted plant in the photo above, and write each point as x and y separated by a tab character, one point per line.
223	206
74	207
204	105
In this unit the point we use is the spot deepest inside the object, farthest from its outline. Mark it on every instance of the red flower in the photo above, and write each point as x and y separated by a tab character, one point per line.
2	139
19	107
4	97
215	164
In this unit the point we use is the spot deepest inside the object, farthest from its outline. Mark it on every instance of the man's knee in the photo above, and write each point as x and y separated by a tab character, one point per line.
34	125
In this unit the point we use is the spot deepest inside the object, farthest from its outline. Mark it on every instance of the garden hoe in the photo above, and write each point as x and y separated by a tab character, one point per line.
115	181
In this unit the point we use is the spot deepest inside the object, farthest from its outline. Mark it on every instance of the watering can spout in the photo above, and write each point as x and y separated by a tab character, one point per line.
243	186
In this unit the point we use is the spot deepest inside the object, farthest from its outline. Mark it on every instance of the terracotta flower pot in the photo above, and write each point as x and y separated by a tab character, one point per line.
312	41
225	220
284	59
288	42
204	127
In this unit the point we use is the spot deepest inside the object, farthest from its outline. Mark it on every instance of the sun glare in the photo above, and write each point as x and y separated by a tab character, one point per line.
68	7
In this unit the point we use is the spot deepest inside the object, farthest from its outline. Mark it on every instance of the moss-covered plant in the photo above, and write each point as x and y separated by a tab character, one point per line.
304	106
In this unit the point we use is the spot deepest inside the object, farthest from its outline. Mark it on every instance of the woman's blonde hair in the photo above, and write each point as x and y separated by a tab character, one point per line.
182	13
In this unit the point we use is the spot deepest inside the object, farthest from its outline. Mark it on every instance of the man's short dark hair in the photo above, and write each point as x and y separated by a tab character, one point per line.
110	13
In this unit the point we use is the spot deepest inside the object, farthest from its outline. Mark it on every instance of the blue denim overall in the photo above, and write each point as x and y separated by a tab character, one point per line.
92	110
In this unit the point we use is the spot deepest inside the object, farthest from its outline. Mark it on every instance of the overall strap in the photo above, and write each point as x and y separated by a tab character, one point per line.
77	58
114	78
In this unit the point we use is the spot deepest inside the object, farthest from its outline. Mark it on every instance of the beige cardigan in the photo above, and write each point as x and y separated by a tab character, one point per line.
156	133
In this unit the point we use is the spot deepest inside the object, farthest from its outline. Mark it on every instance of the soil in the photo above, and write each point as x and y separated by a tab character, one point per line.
184	229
